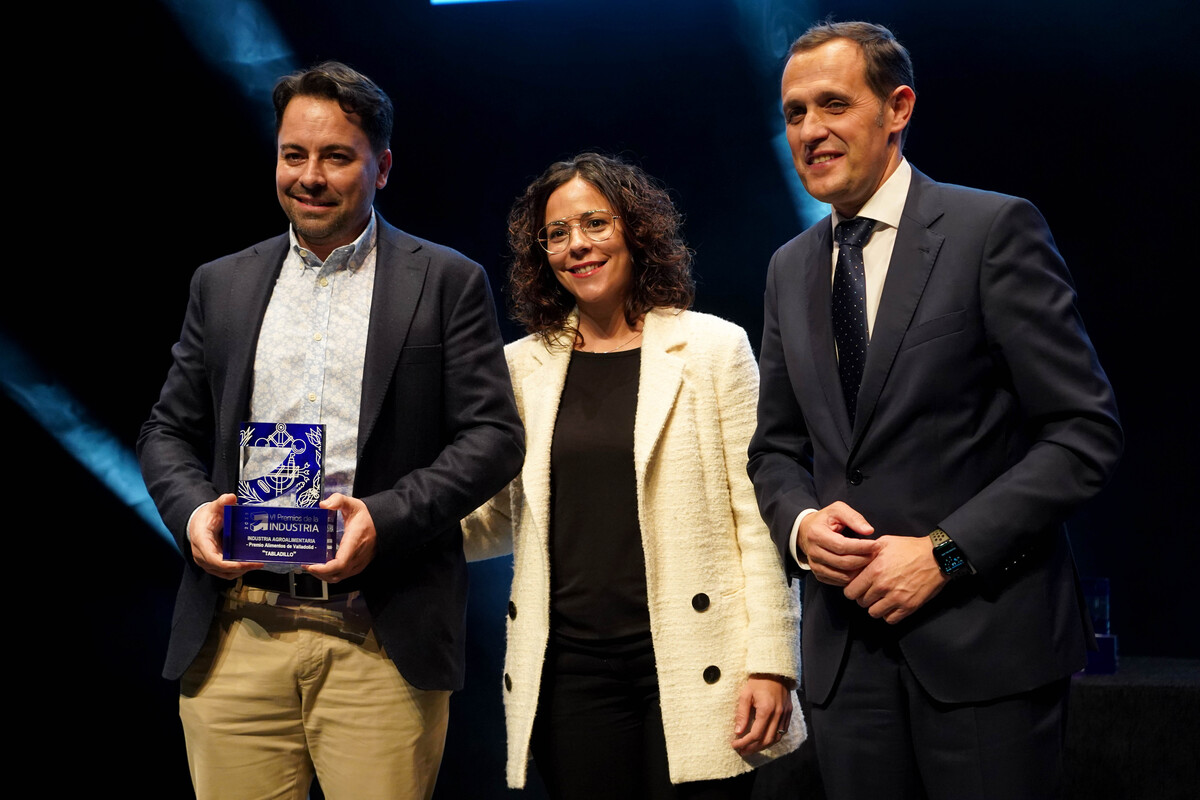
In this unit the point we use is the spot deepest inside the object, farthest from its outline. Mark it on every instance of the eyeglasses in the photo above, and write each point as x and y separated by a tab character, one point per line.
595	225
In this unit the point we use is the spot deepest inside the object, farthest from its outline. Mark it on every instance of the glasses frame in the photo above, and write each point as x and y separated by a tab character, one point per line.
543	239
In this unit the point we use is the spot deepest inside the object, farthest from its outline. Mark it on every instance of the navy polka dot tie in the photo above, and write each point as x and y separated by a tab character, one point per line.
850	305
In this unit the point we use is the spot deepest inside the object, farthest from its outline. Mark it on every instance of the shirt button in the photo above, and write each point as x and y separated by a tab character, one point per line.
324	282
312	397
316	337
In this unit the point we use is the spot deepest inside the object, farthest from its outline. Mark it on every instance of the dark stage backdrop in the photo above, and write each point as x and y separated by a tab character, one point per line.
142	153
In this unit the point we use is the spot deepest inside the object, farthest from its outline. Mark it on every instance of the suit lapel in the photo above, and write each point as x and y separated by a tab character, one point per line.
249	292
820	325
541	391
663	340
400	272
913	256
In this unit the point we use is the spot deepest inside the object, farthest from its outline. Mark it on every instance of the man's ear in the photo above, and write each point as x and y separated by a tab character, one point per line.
385	166
900	105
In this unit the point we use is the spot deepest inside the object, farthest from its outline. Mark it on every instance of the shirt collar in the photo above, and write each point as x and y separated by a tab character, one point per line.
348	256
887	204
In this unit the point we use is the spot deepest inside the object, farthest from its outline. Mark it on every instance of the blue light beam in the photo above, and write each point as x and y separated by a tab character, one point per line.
100	453
239	39
767	29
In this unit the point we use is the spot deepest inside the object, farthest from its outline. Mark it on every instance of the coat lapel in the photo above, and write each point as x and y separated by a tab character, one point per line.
663	340
249	291
913	256
400	271
541	391
660	377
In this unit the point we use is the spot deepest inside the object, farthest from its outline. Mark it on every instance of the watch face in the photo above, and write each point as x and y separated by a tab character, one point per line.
949	558
952	562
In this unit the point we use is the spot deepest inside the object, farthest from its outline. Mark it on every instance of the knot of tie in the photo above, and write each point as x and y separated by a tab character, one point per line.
854	231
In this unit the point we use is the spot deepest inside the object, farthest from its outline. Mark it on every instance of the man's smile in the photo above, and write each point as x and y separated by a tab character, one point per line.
823	158
312	202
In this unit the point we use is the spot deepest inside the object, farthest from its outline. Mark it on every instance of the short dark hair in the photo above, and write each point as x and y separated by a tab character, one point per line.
353	91
888	62
662	263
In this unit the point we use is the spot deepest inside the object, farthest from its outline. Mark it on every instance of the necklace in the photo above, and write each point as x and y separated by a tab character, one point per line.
622	344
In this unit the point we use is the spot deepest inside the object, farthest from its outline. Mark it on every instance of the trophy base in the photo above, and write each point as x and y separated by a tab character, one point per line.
275	535
1103	661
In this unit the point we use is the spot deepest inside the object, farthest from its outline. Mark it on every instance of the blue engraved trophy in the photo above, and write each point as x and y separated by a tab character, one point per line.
281	473
1104	660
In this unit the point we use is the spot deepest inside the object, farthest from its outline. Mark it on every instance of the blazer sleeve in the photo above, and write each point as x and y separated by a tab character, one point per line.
175	445
780	452
772	607
488	530
1073	438
484	440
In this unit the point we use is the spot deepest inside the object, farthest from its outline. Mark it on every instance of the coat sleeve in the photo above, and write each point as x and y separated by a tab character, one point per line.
772	606
176	444
780	452
1072	434
488	530
480	425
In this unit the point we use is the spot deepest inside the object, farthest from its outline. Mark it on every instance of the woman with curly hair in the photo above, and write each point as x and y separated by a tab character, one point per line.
651	634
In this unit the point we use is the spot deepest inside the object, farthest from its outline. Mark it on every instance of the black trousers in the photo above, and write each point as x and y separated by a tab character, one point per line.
881	735
598	732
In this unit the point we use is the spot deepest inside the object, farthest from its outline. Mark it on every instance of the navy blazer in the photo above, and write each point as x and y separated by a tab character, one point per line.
982	410
438	435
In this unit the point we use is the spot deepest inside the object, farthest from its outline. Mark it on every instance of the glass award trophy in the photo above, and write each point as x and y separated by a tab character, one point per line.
1102	661
281	474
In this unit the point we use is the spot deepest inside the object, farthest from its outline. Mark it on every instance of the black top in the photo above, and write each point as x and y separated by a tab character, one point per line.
597	569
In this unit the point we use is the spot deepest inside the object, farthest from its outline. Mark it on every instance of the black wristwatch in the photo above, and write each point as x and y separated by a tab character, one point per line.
949	558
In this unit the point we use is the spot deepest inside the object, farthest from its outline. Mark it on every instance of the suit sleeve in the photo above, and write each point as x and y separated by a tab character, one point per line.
484	439
780	453
175	445
773	609
1073	436
488	530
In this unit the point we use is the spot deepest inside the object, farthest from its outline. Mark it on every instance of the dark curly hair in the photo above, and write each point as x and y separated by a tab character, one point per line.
662	263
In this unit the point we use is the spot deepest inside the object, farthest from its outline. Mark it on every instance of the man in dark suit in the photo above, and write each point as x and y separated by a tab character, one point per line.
931	411
392	343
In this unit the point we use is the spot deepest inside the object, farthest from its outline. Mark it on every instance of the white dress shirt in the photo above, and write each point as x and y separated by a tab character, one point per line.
886	207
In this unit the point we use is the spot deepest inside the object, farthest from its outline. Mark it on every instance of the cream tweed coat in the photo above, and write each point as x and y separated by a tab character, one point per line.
701	534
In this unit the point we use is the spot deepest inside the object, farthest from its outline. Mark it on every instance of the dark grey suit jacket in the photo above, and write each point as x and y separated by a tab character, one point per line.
983	410
438	435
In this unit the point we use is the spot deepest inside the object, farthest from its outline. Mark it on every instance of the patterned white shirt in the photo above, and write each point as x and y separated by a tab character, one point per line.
309	363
